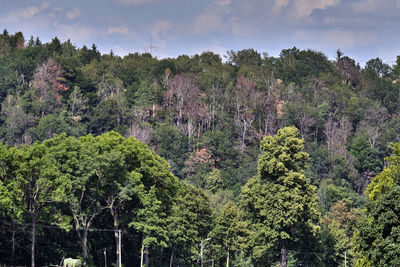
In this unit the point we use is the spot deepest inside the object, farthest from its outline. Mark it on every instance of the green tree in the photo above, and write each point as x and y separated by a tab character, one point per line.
11	194
337	230
189	223
42	184
230	233
279	201
151	222
378	235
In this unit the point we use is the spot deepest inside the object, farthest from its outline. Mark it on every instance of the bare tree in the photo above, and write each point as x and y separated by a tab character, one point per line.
372	123
247	101
48	83
16	119
140	131
186	99
337	134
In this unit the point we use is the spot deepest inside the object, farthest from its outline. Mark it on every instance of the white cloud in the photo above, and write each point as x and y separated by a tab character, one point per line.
337	38
279	5
372	6
209	22
216	48
75	32
304	8
73	13
17	15
23	13
160	29
136	2
223	3
348	38
45	5
214	18
123	30
120	51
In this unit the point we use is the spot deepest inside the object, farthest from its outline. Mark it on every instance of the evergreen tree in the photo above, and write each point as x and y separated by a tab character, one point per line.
280	202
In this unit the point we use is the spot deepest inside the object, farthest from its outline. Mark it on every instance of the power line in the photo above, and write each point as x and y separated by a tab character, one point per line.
151	48
60	228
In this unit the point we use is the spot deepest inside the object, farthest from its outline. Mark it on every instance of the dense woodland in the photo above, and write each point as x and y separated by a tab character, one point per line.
250	160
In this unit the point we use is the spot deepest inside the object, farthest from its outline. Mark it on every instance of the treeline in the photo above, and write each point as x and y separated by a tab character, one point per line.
207	118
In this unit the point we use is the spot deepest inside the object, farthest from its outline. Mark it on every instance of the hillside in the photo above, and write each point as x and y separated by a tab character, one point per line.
206	117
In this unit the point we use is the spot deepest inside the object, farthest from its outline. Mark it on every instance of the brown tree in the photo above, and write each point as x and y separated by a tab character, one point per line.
184	96
48	83
247	101
337	135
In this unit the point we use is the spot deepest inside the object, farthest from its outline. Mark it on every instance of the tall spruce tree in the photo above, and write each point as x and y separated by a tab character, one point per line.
280	203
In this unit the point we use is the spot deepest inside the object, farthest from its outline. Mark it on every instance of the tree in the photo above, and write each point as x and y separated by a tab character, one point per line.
377	66
230	233
337	230
41	182
279	202
151	222
378	236
48	83
16	119
244	57
348	69
11	194
247	99
185	97
78	103
337	135
171	144
189	223
133	172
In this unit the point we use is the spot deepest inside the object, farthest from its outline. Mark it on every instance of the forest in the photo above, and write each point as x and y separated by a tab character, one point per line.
246	160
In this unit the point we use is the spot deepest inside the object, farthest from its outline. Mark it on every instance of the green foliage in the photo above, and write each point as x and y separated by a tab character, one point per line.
367	158
280	202
172	145
189	223
52	88
295	65
377	238
230	234
337	229
329	193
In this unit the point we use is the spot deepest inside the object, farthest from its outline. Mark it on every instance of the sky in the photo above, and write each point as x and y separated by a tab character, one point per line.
362	29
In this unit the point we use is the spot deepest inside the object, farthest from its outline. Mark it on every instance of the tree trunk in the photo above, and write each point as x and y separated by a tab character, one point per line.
227	260
14	230
146	257
33	240
116	235
171	259
141	256
283	256
84	245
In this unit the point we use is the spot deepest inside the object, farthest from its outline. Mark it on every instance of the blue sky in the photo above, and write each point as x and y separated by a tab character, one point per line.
362	29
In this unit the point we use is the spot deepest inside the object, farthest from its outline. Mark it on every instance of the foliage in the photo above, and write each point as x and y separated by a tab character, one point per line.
377	238
207	117
280	202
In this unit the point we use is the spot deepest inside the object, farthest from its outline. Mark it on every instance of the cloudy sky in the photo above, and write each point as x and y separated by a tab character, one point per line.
362	29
